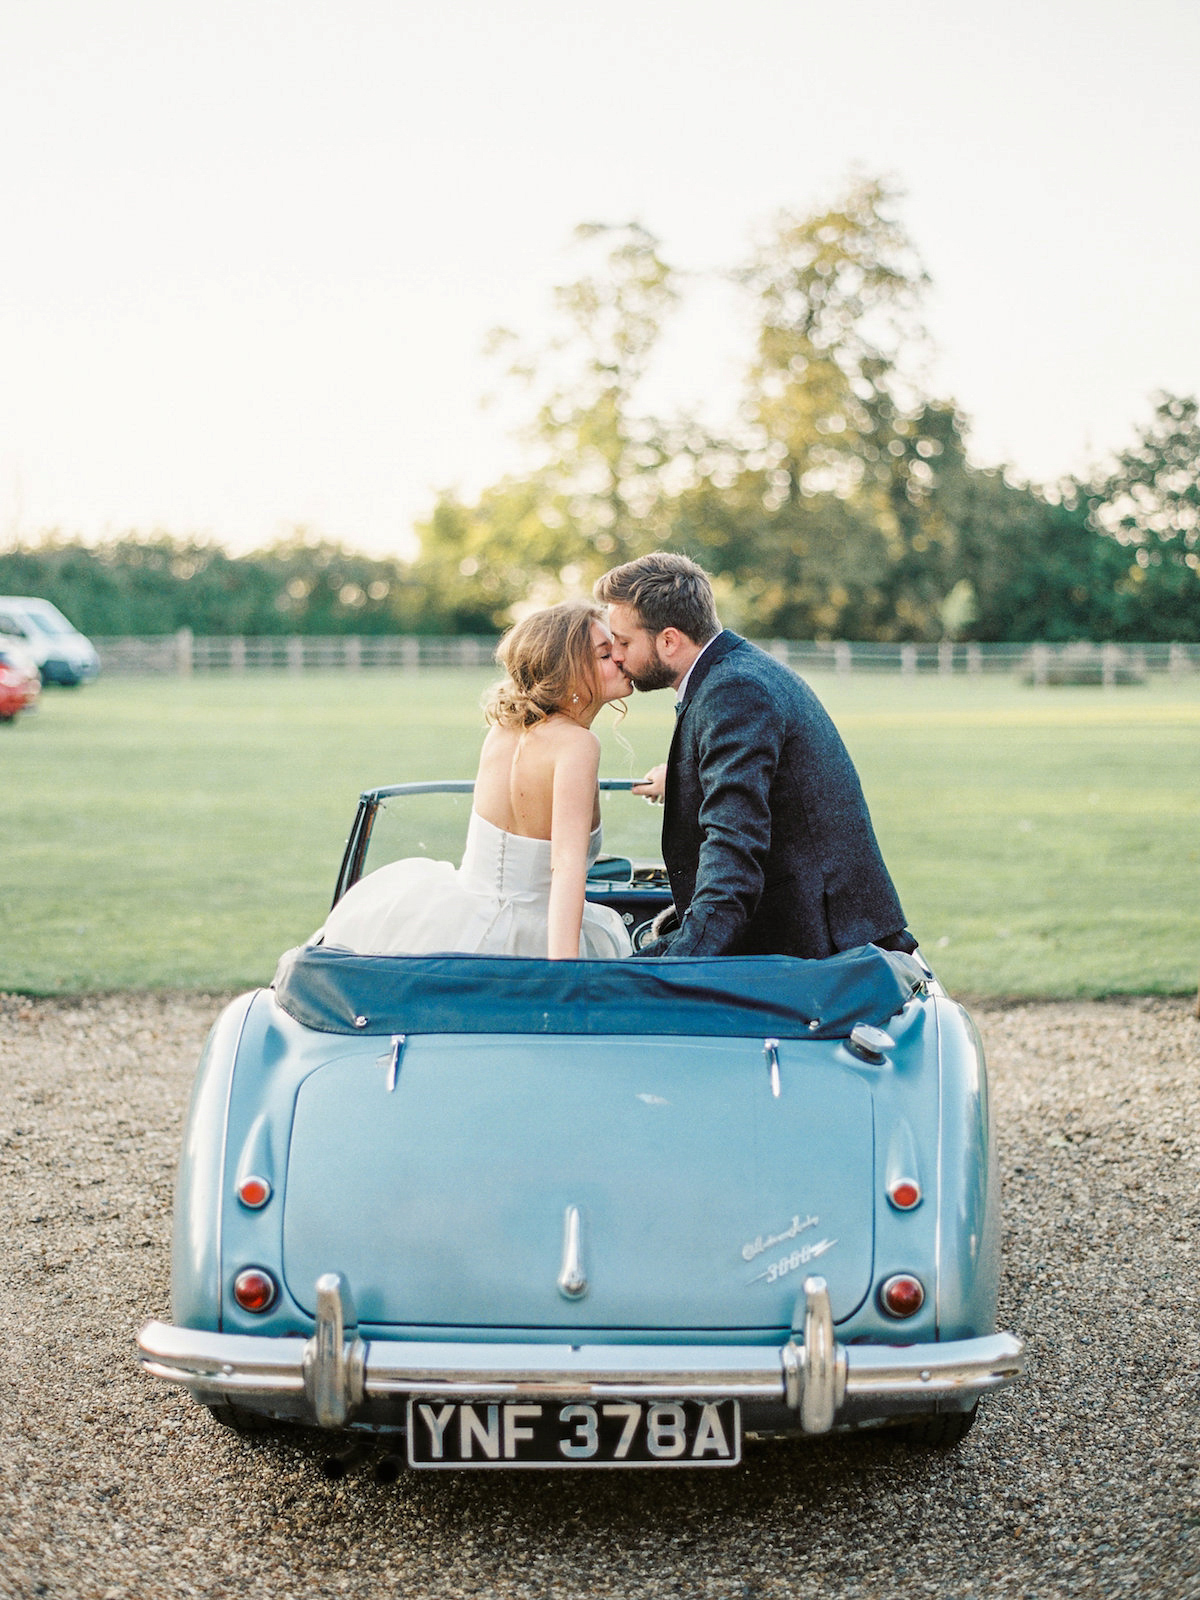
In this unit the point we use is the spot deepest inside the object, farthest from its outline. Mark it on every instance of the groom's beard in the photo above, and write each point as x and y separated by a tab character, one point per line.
655	675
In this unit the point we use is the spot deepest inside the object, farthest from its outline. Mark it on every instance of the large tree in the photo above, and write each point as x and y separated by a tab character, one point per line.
839	501
839	336
830	522
588	495
1149	507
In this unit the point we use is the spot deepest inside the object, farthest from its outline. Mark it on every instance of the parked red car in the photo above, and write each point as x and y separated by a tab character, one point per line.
20	682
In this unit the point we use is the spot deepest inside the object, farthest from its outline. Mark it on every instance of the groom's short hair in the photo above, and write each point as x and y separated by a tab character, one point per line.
667	591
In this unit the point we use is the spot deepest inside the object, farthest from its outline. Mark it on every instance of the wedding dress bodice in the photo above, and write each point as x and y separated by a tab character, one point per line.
501	863
496	903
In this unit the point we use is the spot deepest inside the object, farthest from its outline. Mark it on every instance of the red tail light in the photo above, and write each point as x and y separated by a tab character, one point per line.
254	1192
904	1194
254	1289
902	1295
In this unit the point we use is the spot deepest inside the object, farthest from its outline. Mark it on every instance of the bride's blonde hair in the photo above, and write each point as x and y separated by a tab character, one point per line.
549	663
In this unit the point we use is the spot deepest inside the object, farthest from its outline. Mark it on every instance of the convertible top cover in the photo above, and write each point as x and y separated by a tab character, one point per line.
336	991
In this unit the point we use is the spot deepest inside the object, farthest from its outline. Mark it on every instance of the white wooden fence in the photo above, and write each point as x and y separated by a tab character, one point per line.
1107	664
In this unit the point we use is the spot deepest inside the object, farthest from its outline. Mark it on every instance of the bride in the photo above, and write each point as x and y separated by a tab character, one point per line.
535	822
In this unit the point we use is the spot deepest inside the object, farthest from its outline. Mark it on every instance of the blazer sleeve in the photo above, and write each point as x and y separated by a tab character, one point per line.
737	754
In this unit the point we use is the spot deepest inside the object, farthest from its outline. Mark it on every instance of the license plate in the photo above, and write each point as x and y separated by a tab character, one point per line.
600	1433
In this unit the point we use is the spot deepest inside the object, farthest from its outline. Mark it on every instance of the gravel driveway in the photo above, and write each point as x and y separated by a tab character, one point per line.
1082	1480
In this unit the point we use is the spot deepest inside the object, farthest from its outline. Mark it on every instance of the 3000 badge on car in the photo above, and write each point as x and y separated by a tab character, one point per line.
611	1433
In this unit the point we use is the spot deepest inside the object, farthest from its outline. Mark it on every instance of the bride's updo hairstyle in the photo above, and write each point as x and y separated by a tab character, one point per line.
548	658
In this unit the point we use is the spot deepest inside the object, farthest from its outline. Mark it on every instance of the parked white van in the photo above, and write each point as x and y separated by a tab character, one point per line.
62	653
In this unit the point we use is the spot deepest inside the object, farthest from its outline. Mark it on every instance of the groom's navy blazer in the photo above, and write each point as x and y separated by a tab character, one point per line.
766	836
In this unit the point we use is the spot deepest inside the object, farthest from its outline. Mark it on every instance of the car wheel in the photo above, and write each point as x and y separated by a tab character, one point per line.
941	1431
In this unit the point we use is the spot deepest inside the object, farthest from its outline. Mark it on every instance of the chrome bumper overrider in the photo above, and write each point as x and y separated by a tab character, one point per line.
814	1381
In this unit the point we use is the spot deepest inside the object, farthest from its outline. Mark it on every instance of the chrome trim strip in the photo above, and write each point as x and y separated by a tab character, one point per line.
390	791
398	1042
791	1358
771	1051
880	1380
960	1367
572	1280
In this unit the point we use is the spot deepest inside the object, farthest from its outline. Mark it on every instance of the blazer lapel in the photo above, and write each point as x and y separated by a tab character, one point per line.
717	651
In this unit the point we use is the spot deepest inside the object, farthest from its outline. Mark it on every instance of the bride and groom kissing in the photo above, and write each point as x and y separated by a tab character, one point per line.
767	840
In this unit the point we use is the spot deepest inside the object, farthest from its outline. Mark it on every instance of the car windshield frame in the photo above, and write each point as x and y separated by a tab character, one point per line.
358	860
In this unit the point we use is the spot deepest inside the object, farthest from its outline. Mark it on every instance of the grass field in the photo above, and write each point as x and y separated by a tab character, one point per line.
181	833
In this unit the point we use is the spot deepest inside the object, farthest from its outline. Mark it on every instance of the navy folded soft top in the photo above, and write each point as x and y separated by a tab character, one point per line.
336	991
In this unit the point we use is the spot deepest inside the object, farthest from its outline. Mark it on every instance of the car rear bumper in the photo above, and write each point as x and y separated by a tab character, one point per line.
810	1384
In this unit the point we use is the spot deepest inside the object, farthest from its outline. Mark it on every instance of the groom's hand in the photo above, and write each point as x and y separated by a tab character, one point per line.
653	785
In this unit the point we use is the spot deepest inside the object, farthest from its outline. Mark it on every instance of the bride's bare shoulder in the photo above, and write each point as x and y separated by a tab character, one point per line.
565	740
540	748
556	734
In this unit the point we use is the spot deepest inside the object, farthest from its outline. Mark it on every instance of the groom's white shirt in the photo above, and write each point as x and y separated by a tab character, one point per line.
681	689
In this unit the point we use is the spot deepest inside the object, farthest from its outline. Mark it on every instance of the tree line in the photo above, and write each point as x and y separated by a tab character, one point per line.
839	501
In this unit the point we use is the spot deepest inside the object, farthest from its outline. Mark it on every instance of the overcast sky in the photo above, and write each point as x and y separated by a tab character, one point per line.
251	249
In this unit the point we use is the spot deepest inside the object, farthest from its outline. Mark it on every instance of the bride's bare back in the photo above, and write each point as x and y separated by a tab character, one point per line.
540	762
537	780
520	773
541	783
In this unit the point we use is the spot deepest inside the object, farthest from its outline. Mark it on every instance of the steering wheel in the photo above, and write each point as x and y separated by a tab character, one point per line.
646	932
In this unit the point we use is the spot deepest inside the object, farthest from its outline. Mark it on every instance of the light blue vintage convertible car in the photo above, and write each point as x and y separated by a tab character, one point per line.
585	1213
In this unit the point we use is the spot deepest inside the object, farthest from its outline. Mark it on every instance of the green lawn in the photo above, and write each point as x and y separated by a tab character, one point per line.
175	833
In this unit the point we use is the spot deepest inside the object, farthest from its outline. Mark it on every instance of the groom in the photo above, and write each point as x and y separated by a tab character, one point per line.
766	836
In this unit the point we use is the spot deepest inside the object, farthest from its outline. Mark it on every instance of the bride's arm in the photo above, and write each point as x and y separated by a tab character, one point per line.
572	806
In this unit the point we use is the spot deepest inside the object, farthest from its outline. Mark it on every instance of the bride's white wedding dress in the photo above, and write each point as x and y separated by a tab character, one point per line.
496	903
